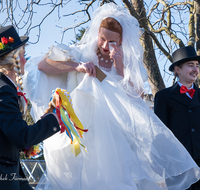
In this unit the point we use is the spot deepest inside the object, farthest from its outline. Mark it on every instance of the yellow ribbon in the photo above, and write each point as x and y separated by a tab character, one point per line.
77	149
66	104
62	112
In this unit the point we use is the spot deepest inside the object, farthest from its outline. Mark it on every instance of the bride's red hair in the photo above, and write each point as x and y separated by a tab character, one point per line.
111	24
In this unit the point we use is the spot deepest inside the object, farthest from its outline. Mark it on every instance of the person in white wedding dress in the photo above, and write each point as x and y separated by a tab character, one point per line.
129	148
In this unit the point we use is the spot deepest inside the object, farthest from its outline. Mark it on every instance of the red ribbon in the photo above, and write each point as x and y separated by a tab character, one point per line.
63	127
184	89
84	130
58	112
22	94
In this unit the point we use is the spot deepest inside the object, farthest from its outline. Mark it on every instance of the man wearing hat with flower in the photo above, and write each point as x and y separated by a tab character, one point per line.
15	134
178	107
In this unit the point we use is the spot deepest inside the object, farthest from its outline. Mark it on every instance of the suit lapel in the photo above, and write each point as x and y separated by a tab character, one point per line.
181	98
195	100
6	80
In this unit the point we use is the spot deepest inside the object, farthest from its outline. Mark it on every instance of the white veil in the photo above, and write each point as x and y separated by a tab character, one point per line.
128	145
134	72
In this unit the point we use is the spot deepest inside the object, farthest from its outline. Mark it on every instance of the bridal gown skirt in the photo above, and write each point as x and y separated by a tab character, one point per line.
129	148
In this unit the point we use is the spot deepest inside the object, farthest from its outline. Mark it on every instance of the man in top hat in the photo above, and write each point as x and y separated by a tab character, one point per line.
178	107
15	134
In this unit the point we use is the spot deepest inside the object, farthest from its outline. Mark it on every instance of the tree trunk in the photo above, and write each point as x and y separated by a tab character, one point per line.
197	22
150	62
151	65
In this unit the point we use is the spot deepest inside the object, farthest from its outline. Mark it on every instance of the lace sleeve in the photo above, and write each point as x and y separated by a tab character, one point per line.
61	52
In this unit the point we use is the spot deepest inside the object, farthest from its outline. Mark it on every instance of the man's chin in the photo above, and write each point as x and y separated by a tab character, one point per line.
192	80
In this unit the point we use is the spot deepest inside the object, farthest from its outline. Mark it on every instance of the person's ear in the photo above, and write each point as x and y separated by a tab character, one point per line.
177	70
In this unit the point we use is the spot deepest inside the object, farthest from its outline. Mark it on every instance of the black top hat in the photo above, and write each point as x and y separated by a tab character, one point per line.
182	55
10	40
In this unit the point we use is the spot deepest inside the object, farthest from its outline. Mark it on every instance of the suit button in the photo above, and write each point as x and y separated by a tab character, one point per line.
190	111
193	130
54	129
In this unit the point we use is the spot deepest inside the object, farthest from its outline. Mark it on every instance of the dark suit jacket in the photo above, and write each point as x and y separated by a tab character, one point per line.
15	134
181	115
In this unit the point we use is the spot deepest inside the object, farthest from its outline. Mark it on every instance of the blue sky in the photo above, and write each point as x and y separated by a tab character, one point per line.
51	35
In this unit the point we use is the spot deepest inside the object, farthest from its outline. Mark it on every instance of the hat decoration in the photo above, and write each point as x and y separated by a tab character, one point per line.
10	40
68	120
5	43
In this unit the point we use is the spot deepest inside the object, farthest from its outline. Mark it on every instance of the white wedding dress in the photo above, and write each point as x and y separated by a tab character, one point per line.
129	148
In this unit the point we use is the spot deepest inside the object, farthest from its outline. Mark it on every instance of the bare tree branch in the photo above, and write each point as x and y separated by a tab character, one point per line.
130	8
86	10
169	24
167	54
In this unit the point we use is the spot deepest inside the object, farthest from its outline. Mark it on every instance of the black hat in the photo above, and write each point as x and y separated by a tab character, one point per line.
182	55
10	40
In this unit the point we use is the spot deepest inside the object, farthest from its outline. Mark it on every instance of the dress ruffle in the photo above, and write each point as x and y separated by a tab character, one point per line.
129	148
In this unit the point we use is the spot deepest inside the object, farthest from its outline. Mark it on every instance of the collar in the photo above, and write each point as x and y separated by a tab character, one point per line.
187	88
11	81
8	81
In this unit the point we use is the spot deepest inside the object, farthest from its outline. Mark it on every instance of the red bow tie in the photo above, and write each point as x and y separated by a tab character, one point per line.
184	89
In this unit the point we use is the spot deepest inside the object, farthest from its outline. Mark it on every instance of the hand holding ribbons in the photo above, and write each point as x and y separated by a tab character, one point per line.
61	105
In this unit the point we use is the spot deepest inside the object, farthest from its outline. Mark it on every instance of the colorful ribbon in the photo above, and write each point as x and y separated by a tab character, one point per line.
68	120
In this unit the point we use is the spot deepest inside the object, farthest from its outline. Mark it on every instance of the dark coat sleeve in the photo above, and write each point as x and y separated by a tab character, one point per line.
161	108
16	129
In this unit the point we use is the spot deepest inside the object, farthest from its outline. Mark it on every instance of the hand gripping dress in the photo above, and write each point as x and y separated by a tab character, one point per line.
129	148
